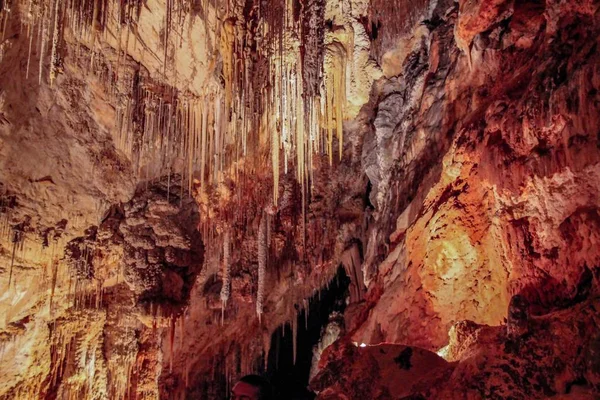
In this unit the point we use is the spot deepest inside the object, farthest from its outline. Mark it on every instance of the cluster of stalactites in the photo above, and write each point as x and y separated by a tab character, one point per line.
301	121
46	22
77	363
39	249
91	23
43	22
209	129
155	131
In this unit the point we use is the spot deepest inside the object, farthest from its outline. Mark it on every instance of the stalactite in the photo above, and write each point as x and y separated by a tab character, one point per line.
6	11
266	350
182	329
216	128
54	56
12	258
275	158
54	263
203	148
187	374
294	337
262	264
306	304
171	343
225	289
42	43
167	27
162	127
30	33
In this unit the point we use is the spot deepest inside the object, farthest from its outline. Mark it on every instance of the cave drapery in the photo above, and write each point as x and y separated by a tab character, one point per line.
405	192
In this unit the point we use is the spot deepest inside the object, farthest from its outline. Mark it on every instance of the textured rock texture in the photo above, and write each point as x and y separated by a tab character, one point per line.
179	179
552	360
384	371
504	199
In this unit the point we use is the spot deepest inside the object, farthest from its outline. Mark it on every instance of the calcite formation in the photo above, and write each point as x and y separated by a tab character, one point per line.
553	360
180	182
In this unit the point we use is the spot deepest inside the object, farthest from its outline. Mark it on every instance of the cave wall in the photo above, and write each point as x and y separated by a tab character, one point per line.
492	191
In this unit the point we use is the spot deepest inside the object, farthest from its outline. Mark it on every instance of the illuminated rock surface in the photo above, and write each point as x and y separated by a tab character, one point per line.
189	189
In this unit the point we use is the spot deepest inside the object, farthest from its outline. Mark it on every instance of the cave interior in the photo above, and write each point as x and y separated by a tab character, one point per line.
336	199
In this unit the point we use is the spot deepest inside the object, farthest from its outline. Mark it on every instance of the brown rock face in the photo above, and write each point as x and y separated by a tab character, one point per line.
551	359
520	170
156	238
383	371
181	181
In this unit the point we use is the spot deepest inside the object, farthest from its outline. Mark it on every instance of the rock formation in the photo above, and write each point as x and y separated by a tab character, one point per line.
187	185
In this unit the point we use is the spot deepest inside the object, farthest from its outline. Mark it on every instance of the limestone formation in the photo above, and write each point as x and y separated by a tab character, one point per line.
192	191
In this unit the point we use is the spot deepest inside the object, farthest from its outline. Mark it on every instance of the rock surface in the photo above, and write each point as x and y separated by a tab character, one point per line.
509	205
551	361
383	371
179	179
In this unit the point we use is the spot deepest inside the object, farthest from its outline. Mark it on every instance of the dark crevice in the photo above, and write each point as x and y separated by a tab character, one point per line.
290	380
